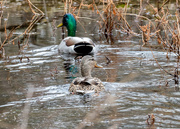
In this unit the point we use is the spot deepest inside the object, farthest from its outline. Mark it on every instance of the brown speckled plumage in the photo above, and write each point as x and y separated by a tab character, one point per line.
86	82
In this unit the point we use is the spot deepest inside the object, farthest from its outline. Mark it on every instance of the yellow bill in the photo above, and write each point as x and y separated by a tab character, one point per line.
60	25
97	66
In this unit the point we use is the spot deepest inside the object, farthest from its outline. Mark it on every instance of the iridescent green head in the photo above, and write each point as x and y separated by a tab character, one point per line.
70	22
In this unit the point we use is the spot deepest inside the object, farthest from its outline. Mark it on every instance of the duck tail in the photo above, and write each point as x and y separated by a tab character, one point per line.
83	48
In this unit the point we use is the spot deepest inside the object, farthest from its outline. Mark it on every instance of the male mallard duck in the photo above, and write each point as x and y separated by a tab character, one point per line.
86	83
72	44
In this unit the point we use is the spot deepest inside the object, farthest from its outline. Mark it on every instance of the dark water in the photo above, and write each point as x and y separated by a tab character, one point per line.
34	82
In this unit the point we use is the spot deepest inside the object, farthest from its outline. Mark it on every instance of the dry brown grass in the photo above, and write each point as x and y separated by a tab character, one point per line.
8	36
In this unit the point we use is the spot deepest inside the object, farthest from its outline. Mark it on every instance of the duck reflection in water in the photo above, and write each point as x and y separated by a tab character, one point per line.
70	64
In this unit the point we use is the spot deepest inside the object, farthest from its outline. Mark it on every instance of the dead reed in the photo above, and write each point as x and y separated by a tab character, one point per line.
167	33
93	116
9	38
163	27
160	24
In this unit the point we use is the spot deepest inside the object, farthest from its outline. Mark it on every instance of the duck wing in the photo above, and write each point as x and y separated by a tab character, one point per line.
91	81
86	84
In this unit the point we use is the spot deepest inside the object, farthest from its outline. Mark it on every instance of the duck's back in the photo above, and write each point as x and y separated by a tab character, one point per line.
77	45
86	84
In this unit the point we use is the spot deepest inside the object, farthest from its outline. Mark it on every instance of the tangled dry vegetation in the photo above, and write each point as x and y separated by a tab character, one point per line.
8	37
163	27
160	24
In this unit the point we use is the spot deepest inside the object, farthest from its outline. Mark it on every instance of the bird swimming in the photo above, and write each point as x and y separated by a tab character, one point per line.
73	44
86	83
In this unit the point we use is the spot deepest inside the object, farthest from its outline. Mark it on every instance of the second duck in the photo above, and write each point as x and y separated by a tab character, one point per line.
72	44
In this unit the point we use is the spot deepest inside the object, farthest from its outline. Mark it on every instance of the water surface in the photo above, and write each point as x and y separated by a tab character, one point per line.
34	81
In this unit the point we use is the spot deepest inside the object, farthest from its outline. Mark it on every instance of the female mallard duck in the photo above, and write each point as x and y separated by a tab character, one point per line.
72	44
86	82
